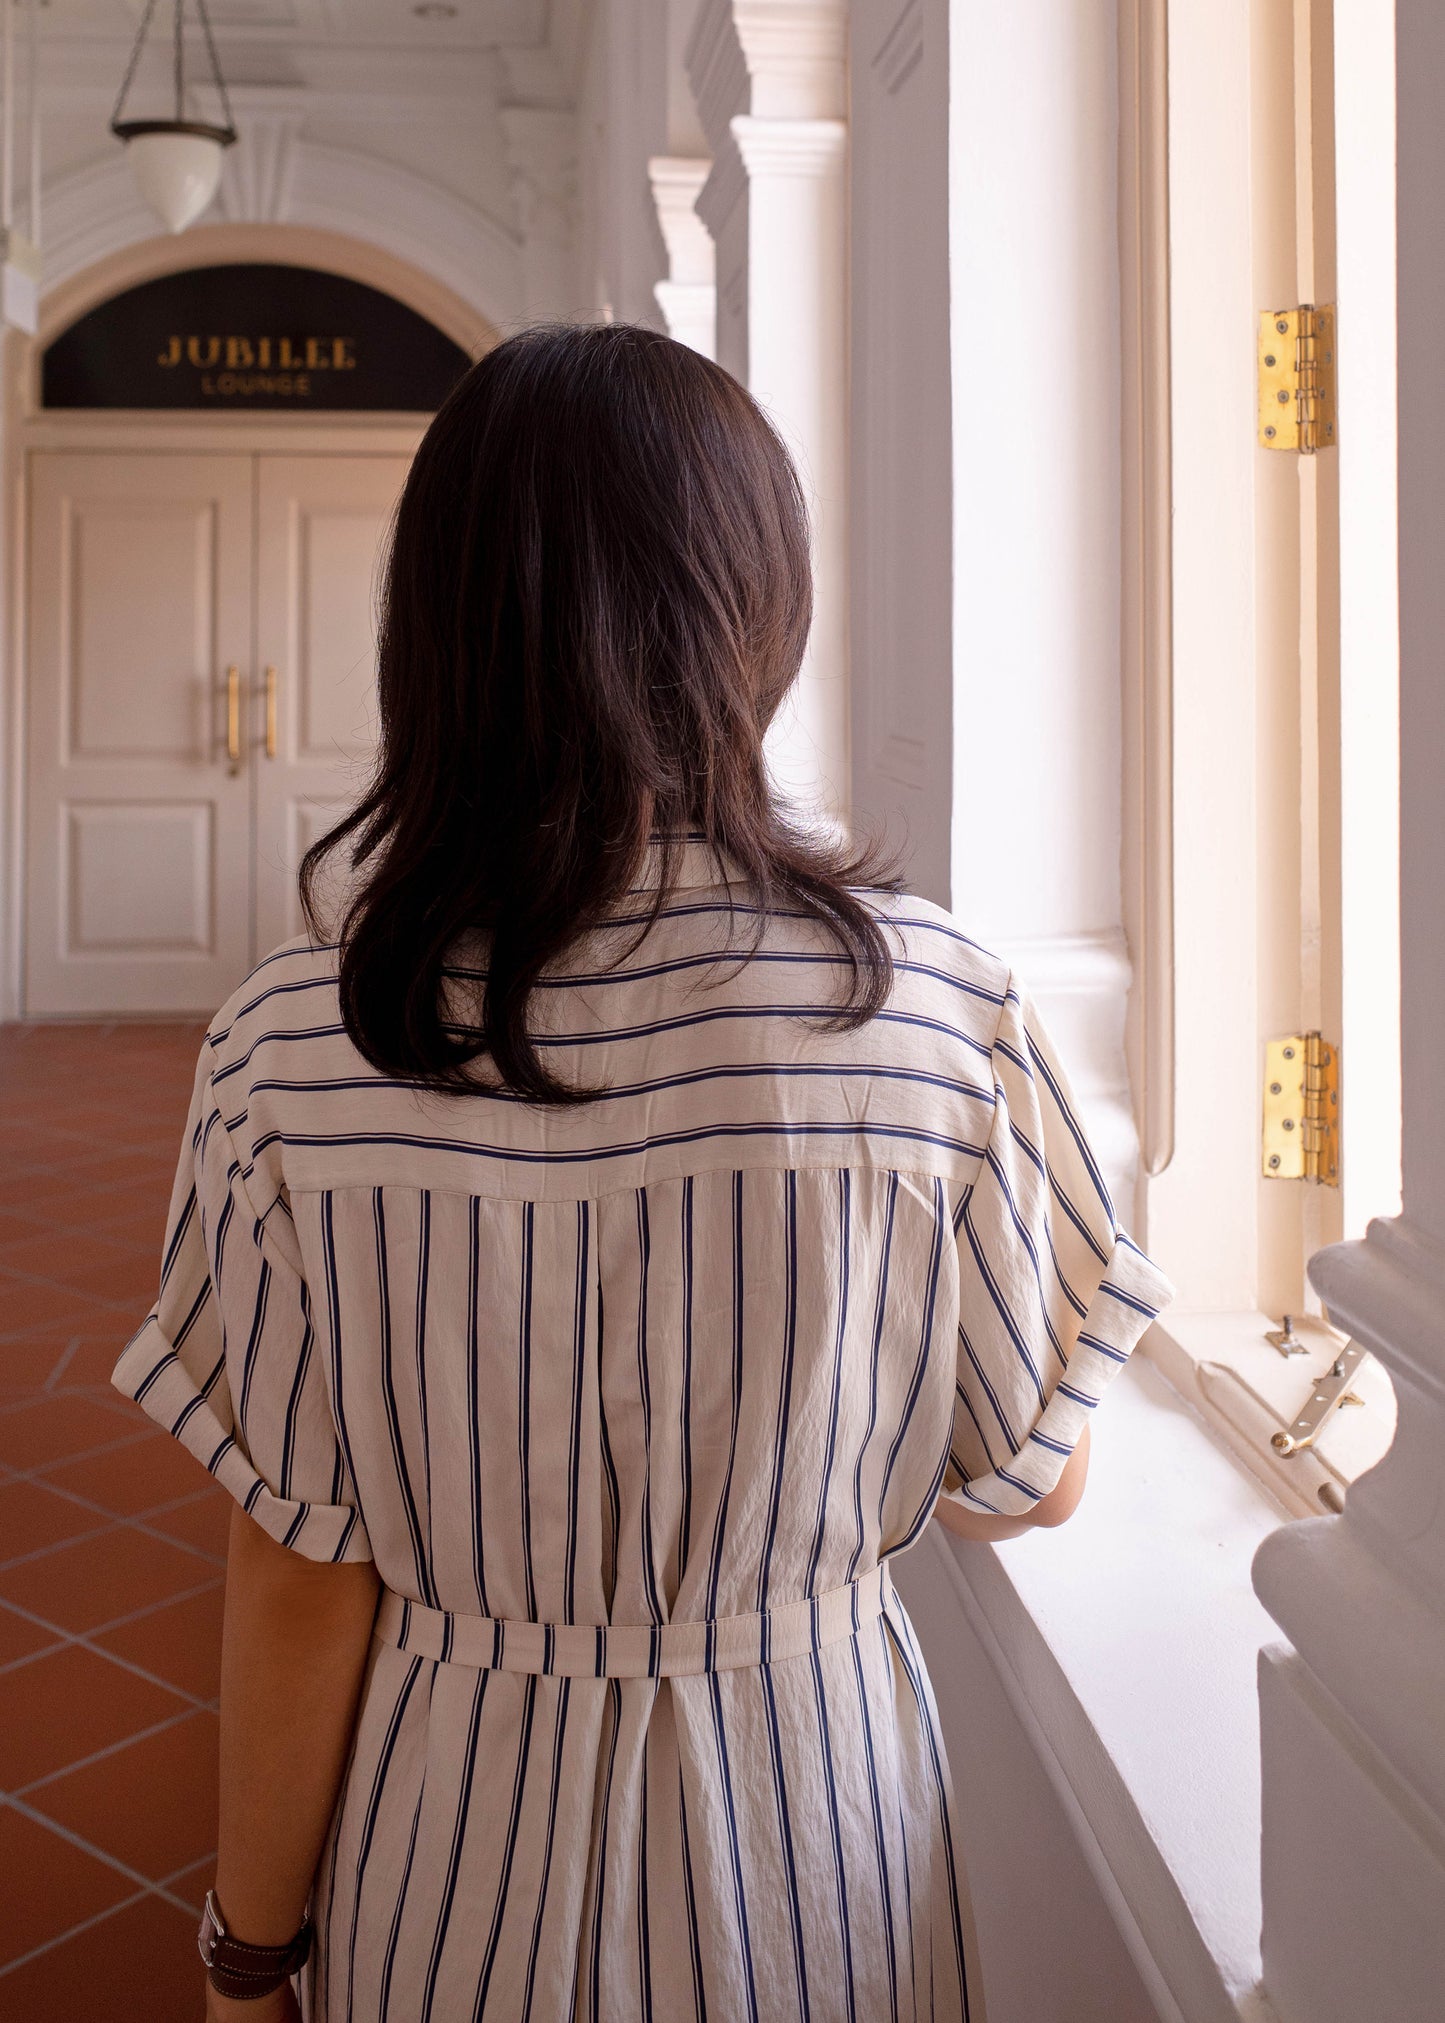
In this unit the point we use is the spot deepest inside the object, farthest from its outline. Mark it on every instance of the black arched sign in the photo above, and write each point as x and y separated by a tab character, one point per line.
250	337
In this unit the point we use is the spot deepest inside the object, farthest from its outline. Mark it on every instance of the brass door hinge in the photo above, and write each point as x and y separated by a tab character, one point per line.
1302	1109
1297	378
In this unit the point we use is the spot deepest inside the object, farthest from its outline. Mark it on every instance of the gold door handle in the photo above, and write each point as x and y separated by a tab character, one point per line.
233	717
272	681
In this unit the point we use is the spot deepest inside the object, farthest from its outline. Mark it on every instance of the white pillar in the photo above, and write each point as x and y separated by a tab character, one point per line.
770	78
902	453
1353	1717
688	297
542	156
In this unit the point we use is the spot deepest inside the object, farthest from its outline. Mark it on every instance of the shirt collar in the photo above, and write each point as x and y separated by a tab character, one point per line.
695	865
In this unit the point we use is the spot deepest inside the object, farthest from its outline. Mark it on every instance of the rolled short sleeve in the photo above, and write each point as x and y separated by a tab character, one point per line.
1053	1295
229	1359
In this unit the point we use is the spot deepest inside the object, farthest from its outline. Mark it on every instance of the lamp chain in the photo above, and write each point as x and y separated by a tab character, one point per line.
130	69
215	62
178	61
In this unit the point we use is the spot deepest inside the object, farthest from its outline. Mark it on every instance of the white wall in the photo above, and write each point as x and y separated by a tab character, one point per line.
1048	1946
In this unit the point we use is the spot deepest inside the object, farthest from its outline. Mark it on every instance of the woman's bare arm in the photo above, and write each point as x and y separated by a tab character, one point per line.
292	1659
1061	1502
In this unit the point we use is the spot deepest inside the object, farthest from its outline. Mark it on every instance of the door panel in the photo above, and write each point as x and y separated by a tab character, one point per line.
321	527
140	876
138	857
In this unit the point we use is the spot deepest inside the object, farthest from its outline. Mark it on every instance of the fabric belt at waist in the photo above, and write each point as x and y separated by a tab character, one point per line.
634	1650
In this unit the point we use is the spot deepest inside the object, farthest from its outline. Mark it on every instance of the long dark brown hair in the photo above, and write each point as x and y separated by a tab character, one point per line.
598	592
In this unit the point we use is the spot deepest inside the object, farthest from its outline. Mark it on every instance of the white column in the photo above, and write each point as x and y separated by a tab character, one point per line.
1353	1727
1034	217
770	78
542	156
901	481
688	297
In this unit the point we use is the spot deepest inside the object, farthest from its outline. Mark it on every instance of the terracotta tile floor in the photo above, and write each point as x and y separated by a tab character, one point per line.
112	1547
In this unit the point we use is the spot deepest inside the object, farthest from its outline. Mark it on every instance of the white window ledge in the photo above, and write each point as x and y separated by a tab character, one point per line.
1127	1642
1224	1365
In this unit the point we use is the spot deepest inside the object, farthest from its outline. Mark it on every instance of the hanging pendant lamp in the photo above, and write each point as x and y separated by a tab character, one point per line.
177	161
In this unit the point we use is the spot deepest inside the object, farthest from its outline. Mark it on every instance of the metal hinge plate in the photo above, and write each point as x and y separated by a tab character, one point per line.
1302	1109
1297	378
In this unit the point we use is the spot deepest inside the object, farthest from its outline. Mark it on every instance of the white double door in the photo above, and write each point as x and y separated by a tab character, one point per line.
201	705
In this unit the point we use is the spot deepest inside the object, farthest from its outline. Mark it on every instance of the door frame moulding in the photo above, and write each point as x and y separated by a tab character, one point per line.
27	428
285	245
370	206
1146	606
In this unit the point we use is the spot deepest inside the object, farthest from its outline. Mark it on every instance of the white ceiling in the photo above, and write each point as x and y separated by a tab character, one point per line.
420	92
372	24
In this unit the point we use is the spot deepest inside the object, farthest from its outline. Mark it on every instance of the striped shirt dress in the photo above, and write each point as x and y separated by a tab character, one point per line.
632	1403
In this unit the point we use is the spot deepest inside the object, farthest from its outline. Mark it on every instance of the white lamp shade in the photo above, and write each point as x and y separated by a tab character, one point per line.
176	173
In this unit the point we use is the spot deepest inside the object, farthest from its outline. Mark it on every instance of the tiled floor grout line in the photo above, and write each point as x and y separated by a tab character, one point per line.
101	1152
164	1882
141	1522
45	1227
116	1623
209	1559
64	1232
104	1236
32	1207
52	1233
112	1306
74	1141
39	1952
67	1357
59	1544
148	1530
100	1755
61	1182
124	1417
28	1338
36	1472
29	1657
108	1306
52	1228
98	1390
49	1227
81	1205
147	1888
41	1477
84	1641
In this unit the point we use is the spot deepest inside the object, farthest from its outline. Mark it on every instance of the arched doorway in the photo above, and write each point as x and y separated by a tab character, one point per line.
212	456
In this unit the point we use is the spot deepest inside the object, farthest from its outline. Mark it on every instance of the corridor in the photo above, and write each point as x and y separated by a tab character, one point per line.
1093	329
112	1546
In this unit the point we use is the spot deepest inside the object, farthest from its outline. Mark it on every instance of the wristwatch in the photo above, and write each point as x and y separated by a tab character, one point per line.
237	1969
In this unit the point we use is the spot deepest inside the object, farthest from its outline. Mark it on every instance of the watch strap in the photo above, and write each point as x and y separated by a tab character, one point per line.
244	1971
